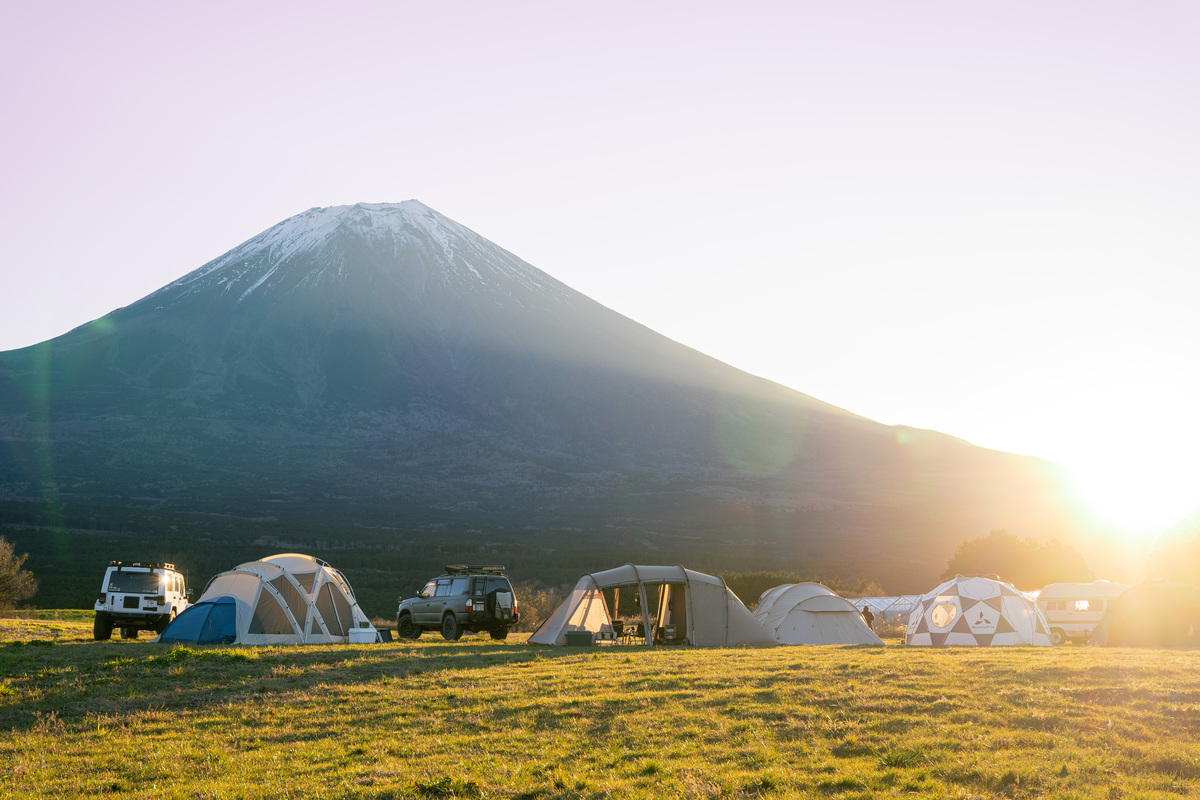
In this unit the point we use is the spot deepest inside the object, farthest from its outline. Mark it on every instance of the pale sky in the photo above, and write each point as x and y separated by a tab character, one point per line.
981	218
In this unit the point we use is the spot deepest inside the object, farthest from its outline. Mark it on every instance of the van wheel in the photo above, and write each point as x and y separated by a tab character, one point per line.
407	629
450	630
102	629
1057	637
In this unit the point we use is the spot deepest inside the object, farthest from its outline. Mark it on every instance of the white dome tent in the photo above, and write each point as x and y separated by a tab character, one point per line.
980	612
810	613
282	599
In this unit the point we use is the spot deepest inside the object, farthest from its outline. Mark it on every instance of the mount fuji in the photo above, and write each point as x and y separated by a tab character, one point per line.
380	381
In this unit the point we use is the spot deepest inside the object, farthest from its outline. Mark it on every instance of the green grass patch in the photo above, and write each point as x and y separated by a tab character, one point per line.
476	719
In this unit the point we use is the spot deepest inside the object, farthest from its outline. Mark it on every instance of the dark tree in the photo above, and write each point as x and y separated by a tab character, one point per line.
1024	563
16	584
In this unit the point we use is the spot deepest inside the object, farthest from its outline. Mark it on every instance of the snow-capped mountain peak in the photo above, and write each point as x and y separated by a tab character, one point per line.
396	232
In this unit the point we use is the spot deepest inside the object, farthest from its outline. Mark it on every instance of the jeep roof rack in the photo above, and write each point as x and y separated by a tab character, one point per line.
120	565
473	569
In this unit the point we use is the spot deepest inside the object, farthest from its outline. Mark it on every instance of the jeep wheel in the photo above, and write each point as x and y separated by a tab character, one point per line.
129	633
450	630
499	633
162	624
406	628
102	629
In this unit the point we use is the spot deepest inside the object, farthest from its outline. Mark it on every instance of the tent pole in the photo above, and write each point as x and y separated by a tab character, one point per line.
645	607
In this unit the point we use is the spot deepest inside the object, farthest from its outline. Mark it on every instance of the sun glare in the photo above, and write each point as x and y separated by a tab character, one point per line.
1142	497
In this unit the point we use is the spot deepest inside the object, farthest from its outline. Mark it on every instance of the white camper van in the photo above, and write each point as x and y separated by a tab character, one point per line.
1073	610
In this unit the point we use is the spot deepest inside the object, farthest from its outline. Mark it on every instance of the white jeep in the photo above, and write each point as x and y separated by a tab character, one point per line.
138	597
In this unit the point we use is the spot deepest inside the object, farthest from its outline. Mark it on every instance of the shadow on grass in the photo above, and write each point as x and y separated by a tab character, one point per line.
76	680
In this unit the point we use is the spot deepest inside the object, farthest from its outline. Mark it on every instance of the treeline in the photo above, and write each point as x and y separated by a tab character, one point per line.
749	586
1025	563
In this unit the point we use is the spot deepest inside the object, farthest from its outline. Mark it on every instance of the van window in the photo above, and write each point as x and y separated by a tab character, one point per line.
1083	605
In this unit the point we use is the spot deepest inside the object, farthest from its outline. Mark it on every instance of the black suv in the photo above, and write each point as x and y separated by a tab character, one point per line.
466	599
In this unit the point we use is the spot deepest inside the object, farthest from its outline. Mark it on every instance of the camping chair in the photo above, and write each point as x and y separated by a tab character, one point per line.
640	633
618	627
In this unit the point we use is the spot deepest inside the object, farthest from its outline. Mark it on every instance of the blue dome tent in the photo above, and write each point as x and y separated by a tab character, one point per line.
206	622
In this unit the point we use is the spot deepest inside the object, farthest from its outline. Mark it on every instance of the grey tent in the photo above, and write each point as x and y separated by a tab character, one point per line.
689	607
1155	614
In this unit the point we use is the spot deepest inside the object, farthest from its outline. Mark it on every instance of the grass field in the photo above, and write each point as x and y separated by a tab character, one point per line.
479	719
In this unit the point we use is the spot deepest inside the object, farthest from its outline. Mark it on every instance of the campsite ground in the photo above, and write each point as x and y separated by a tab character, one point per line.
481	719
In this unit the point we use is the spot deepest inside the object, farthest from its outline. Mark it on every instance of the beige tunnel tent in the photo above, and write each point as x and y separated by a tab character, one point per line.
688	606
282	599
810	613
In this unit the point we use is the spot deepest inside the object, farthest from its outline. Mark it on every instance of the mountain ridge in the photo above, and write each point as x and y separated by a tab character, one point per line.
379	365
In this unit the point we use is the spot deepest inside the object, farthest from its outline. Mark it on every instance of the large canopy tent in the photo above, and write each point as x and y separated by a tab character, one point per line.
980	612
809	613
1155	614
891	610
283	599
688	607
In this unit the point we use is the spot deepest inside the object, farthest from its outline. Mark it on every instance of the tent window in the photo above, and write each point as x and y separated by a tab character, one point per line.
943	614
306	579
345	613
334	610
296	602
269	616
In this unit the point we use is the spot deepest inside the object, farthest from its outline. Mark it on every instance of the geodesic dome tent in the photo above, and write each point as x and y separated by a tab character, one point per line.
981	612
283	599
810	613
689	607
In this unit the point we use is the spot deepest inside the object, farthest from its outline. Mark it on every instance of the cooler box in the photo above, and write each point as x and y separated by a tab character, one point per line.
579	638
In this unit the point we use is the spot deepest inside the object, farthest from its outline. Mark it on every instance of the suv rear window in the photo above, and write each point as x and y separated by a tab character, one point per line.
490	584
135	582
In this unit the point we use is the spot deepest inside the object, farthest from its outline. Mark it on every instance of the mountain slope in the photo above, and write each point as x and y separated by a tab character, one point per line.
381	373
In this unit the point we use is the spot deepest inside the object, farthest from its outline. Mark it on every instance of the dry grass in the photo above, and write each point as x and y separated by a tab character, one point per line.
475	718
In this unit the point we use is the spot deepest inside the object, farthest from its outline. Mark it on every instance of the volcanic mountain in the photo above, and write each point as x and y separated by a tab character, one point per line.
379	378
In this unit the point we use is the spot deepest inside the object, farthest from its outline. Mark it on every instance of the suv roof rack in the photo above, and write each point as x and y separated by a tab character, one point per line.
474	569
144	564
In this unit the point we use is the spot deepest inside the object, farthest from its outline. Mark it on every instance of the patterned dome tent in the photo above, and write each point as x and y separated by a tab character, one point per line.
980	612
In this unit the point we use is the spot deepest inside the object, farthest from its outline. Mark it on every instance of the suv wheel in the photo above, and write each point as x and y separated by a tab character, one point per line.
406	628
499	633
129	633
450	630
102	629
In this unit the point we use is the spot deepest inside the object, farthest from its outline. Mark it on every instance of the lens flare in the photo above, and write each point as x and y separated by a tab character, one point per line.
1142	496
